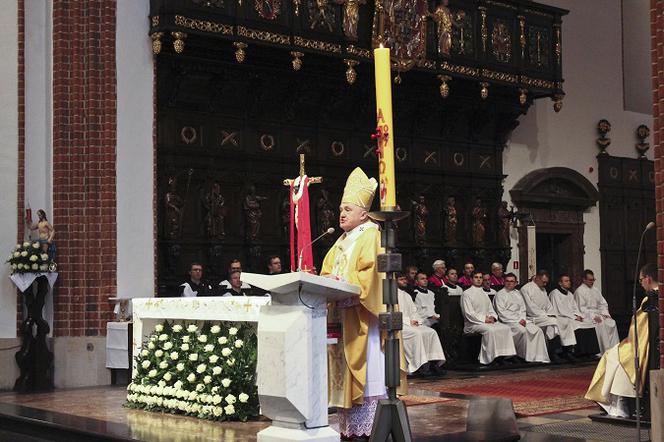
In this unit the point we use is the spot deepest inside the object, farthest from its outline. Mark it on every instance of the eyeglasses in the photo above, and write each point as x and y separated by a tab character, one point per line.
196	270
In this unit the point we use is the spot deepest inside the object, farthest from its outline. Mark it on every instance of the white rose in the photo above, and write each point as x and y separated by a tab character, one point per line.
35	266
217	411
207	379
168	345
14	266
35	245
202	338
213	359
192	396
216	370
230	362
24	253
216	400
226	382
232	331
200	387
192	328
175	355
225	352
184	347
163	337
159	328
208	348
18	246
191	377
215	329
229	409
185	339
177	385
177	328
167	377
159	353
26	244
34	258
20	266
44	256
180	366
201	368
145	364
17	254
43	267
151	345
144	352
243	397
239	343
215	390
230	399
160	389
163	364
193	356
222	340
152	373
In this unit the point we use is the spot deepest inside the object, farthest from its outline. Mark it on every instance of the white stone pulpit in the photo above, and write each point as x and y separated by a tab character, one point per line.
292	354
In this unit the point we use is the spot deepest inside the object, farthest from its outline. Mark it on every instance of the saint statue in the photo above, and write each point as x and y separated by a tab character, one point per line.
479	223
173	203
253	213
504	219
326	215
214	202
351	17
420	215
46	234
451	220
285	216
442	16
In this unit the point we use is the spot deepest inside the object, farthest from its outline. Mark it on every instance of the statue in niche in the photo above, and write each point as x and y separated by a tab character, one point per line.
351	17
479	223
173	258
253	213
504	219
451	221
285	216
444	20
420	215
214	203
45	231
173	203
326	215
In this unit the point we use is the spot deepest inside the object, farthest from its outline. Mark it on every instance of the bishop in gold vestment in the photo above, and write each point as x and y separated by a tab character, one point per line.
357	363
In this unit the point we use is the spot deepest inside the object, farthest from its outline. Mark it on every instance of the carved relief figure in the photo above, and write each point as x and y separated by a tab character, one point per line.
321	14
501	39
420	215
214	202
326	214
285	216
450	221
479	223
405	30
253	213
268	9
504	218
173	203
442	16
351	17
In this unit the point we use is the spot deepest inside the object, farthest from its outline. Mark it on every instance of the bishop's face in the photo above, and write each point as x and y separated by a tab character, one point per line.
351	216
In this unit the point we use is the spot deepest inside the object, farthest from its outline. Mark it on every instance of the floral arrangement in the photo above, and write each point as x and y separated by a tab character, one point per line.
208	372
30	258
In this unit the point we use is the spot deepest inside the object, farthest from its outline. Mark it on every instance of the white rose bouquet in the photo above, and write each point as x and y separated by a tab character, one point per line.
30	258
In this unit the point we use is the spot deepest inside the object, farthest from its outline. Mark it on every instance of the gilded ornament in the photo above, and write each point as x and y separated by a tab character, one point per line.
268	9
317	45
359	52
484	90
501	41
603	142
558	102
523	96
297	7
444	86
155	21
558	47
484	32
445	22
297	60
351	18
178	42
337	148
321	15
203	25
266	36
351	74
156	42
240	52
522	35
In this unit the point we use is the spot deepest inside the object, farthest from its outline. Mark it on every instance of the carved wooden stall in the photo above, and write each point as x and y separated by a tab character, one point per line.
244	86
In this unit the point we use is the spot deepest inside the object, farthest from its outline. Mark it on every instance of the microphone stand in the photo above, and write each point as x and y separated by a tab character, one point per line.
636	339
299	259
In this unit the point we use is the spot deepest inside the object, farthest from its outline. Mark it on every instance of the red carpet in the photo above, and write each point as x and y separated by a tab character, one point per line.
532	393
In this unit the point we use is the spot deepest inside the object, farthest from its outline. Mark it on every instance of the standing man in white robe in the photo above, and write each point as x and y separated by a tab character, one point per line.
452	283
480	318
594	307
541	312
529	339
420	343
424	301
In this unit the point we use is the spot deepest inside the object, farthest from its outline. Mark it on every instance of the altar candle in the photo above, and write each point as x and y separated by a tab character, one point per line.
385	129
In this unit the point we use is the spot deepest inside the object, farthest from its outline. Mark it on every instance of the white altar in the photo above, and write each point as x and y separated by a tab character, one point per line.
148	312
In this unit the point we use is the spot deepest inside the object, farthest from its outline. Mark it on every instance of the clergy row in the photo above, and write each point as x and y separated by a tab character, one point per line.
535	326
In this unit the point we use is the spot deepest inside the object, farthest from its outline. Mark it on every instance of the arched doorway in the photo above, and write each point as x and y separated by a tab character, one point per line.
555	199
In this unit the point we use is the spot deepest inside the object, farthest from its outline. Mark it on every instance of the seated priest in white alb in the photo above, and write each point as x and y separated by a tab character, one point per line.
420	343
595	309
481	319
452	283
615	377
529	339
541	312
234	266
565	306
195	286
424	301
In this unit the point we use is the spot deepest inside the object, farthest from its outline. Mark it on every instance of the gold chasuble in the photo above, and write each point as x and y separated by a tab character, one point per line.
626	359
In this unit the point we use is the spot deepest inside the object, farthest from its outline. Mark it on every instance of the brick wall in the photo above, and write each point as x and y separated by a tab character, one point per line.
84	164
20	188
657	52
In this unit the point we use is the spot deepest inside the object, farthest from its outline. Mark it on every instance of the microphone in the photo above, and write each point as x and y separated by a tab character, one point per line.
327	232
649	226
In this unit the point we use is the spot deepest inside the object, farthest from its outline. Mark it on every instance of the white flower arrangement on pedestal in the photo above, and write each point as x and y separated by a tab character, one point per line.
29	257
202	379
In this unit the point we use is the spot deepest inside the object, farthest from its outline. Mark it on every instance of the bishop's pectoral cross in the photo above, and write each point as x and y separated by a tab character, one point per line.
300	219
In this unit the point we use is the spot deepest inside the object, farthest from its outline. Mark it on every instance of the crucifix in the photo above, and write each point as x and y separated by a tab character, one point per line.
299	218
